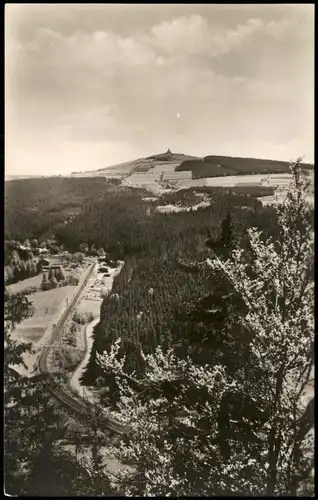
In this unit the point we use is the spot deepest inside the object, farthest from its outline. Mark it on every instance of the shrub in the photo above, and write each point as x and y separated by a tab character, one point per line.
83	318
78	318
67	358
71	280
30	290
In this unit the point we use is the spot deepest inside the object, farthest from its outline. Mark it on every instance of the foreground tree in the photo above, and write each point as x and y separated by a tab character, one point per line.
187	435
277	288
36	462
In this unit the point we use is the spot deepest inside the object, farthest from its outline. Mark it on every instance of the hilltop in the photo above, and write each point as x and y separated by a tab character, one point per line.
168	159
201	167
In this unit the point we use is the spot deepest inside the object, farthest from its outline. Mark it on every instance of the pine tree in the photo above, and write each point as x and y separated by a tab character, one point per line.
228	239
53	282
228	236
39	267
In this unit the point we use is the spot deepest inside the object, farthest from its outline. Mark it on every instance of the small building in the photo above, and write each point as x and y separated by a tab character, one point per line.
74	265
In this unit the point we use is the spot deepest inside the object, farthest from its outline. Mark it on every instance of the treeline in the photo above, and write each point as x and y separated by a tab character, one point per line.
19	264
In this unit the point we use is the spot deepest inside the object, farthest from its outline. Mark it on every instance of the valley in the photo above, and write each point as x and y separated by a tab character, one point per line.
135	252
159	256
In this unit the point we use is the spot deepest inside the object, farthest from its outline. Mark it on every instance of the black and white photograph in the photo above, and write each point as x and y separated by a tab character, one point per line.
159	336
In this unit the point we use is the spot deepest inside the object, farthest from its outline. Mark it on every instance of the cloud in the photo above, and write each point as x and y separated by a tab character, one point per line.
194	36
242	75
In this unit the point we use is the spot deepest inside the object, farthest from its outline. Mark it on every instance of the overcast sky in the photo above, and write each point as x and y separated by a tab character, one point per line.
89	86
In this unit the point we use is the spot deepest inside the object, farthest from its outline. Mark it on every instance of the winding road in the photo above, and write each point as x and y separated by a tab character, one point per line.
81	409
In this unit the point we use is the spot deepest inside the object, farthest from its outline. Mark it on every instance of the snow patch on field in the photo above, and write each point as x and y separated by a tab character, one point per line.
176	208
239	180
149	198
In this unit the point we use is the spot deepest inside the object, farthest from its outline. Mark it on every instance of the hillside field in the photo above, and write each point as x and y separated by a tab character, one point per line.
201	167
215	166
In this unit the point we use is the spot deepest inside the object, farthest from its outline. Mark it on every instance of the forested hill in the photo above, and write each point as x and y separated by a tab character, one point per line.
35	208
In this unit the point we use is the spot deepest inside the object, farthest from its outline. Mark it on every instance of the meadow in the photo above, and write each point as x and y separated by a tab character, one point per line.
48	306
270	180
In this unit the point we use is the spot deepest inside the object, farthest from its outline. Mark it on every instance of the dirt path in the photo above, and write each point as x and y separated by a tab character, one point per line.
75	384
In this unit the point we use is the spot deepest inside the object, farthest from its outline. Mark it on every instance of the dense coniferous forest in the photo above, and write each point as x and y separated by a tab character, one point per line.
34	208
153	286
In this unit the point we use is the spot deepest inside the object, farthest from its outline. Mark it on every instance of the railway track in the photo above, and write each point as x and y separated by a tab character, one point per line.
43	368
80	409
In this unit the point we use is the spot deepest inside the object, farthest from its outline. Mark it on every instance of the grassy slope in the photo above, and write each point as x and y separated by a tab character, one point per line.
144	164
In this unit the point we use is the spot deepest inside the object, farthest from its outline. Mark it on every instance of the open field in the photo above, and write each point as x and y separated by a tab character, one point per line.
89	306
270	200
48	305
239	180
